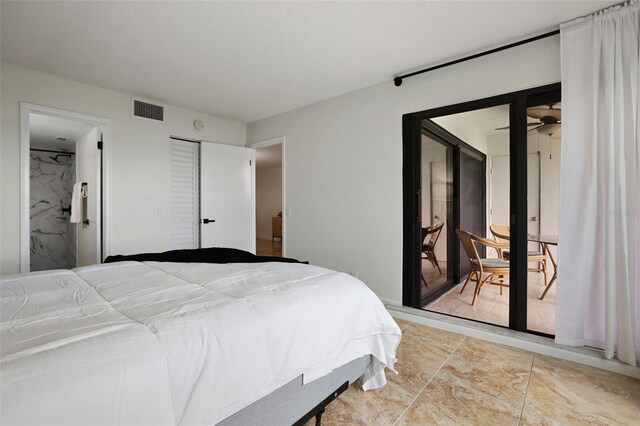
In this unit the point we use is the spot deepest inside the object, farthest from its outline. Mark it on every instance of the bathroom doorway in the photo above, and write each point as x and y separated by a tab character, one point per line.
63	189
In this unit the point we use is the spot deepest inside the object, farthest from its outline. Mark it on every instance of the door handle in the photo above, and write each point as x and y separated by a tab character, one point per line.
534	219
205	221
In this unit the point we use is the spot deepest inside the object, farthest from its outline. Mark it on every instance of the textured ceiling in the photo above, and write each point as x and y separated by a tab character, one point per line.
250	60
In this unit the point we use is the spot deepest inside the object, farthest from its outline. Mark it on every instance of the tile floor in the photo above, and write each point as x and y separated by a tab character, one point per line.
449	379
268	248
493	308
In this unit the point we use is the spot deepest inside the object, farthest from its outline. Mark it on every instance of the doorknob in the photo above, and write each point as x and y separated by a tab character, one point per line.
533	219
205	221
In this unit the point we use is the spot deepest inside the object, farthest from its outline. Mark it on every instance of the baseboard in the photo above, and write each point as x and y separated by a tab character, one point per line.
529	342
389	302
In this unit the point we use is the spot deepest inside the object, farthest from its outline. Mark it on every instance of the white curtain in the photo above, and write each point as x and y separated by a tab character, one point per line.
598	296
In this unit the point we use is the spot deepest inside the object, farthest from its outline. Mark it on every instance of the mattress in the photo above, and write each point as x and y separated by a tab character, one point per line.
179	343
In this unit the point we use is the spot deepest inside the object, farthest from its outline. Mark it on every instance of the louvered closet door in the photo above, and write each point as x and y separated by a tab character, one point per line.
185	194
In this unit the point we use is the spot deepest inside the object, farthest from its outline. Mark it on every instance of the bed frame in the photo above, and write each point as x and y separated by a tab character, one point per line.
295	403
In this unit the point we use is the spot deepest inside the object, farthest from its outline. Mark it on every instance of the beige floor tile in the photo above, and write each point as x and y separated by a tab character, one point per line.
421	352
481	383
478	383
378	407
562	392
432	337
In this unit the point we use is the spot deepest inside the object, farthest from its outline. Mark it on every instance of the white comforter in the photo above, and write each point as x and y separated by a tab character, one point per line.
175	343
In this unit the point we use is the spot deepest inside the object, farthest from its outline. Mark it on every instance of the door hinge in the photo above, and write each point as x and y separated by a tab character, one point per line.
99	144
249	162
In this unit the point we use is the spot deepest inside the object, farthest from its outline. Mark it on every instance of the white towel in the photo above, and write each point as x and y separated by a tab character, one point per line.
76	203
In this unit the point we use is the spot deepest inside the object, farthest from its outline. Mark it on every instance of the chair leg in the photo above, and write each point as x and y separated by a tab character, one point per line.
467	280
479	287
476	292
544	271
435	260
424	281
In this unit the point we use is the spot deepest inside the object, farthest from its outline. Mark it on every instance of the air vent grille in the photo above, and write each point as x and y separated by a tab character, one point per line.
147	110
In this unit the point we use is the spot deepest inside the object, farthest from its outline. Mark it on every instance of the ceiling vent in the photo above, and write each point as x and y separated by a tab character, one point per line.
148	110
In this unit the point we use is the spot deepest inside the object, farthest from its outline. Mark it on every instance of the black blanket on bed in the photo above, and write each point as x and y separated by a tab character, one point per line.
203	255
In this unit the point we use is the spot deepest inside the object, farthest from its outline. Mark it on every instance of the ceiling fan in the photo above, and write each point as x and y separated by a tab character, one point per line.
549	119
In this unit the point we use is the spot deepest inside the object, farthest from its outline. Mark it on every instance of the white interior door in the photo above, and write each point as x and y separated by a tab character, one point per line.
227	196
88	237
500	192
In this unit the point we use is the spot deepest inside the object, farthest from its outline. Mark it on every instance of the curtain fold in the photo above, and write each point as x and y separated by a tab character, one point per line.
598	297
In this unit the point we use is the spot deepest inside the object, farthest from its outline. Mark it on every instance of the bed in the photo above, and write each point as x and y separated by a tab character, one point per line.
224	340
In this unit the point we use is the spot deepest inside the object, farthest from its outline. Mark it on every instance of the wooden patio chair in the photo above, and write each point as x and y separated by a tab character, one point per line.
501	234
494	268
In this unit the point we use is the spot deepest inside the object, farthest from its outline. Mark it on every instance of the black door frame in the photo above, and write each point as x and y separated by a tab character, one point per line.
411	180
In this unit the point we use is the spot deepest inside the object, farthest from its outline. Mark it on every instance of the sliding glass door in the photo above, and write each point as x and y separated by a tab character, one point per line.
481	169
452	197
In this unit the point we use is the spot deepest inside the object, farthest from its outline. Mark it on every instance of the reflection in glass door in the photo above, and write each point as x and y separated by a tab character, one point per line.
474	292
472	201
436	214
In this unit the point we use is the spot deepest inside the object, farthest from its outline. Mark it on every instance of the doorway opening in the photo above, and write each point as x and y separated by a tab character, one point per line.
269	199
483	179
63	189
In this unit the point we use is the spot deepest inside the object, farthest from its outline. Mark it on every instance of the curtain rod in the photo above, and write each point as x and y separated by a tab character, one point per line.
398	80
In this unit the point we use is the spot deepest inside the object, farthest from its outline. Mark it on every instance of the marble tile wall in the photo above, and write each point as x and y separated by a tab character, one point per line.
449	379
52	235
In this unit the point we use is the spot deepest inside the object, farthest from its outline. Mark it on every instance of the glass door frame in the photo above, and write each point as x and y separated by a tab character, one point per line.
455	145
411	182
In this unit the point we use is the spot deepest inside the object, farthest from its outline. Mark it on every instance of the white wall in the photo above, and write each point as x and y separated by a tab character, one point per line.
268	199
466	130
140	165
344	159
498	145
